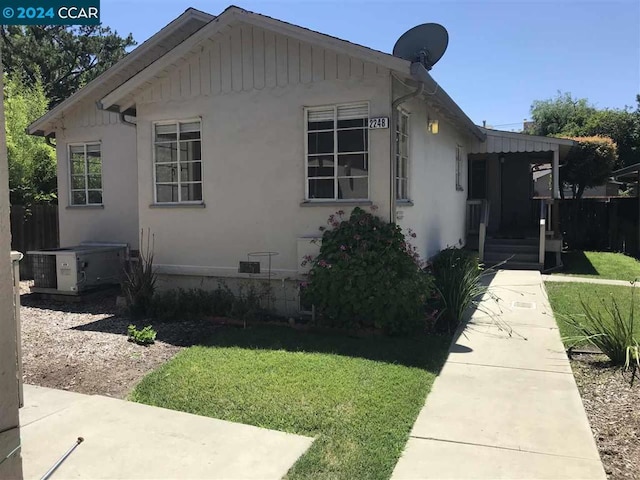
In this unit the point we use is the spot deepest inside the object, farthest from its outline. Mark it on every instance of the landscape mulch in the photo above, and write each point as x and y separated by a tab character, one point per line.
613	409
81	344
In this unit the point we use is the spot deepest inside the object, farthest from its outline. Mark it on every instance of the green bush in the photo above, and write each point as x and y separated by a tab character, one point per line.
146	336
367	276
139	284
609	330
457	279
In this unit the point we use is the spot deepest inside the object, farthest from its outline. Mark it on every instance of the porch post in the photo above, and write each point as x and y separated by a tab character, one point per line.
556	172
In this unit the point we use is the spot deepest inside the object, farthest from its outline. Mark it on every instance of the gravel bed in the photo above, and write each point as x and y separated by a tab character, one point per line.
612	406
82	346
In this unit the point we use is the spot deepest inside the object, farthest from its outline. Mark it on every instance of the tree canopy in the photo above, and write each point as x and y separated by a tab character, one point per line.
32	163
588	164
576	117
64	58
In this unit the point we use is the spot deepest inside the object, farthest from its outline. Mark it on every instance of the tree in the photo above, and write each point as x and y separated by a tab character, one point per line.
32	163
562	115
566	116
64	58
588	164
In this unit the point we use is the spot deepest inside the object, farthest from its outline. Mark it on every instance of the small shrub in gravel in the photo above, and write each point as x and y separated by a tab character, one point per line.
146	336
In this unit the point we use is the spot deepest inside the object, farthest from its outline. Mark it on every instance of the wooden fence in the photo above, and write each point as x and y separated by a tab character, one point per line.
595	224
33	228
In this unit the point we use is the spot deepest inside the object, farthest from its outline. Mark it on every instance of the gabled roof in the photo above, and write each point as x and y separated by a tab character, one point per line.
123	78
235	14
141	57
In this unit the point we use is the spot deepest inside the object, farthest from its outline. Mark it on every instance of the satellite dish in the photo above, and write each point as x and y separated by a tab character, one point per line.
425	43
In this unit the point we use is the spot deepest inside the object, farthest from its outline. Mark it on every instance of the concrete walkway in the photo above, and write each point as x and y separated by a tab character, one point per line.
125	440
600	281
504	406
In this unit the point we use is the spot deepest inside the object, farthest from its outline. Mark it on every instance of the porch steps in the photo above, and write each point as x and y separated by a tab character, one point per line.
512	253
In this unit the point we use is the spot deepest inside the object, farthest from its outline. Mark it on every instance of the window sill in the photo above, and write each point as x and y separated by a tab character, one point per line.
404	203
177	205
336	203
84	207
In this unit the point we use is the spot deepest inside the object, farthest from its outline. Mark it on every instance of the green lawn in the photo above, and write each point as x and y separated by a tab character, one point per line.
616	266
565	300
358	396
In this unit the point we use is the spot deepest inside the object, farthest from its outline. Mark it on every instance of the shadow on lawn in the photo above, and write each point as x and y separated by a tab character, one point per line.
577	263
421	351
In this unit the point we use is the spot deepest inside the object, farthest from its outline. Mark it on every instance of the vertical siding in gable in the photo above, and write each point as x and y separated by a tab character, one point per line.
174	77
236	59
270	79
344	67
244	57
357	68
216	68
185	80
205	71
317	63
225	64
247	57
330	65
293	63
194	73
258	58
305	63
282	60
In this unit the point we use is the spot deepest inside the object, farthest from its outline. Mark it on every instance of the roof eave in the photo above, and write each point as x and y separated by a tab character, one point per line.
38	127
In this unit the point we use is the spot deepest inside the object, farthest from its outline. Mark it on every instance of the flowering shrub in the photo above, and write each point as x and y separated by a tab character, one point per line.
367	275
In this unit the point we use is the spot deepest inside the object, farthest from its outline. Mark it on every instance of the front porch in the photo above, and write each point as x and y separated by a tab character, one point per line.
512	208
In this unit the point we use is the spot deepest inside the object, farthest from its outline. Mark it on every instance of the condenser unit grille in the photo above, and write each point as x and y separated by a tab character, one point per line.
44	271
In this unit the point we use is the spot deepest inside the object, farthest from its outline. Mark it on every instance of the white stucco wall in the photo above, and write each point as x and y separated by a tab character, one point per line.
253	148
117	220
437	215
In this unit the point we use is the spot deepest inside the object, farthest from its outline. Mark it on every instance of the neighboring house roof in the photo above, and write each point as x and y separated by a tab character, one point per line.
116	87
141	57
629	173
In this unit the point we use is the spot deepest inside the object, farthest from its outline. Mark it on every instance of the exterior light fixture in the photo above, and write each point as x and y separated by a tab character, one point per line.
432	126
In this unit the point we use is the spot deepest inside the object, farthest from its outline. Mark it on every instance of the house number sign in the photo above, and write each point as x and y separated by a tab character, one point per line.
380	122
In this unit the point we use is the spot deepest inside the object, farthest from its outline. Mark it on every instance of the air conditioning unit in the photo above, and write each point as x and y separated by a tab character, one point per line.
76	269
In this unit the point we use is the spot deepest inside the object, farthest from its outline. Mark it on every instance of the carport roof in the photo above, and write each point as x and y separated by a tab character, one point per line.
499	141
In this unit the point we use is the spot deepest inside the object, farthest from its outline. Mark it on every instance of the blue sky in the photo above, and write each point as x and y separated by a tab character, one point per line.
502	55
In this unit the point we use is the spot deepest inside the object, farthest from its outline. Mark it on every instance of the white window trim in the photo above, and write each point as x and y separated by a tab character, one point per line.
402	112
86	175
335	198
459	167
153	161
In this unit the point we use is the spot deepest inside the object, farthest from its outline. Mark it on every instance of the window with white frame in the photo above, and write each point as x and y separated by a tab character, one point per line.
85	167
337	146
178	161
402	156
459	160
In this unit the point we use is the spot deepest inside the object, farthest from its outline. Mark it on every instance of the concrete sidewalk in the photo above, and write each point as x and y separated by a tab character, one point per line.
504	406
126	440
599	281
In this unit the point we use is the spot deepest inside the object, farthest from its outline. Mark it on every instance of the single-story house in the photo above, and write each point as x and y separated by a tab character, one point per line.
234	134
